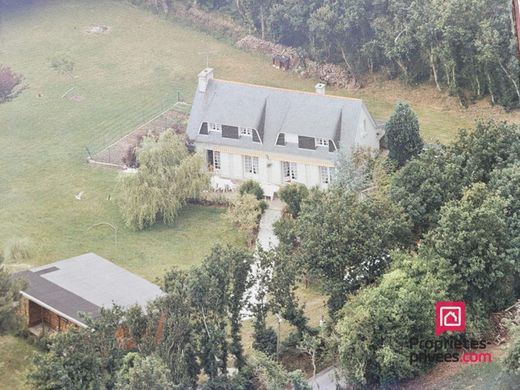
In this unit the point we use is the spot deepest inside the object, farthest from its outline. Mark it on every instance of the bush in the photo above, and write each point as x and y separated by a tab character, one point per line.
265	340
245	214
377	324
18	249
10	84
252	187
402	135
293	195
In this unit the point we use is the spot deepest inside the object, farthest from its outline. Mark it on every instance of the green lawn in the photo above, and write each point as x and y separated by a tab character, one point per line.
16	356
123	77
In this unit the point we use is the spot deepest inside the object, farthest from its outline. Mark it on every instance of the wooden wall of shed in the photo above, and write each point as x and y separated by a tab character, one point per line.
33	314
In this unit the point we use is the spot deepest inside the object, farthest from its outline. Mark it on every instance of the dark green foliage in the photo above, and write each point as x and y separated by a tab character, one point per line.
339	232
439	175
293	195
378	322
252	187
489	146
511	361
506	182
473	236
466	49
402	134
423	185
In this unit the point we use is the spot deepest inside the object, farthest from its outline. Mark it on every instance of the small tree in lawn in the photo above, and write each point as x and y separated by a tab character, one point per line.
402	132
168	176
10	84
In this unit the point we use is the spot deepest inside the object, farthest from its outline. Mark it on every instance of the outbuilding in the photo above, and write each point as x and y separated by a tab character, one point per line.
59	295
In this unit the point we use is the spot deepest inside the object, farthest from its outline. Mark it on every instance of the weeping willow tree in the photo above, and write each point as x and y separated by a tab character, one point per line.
168	176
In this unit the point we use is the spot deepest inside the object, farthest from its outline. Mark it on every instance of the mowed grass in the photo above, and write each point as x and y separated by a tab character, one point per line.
122	79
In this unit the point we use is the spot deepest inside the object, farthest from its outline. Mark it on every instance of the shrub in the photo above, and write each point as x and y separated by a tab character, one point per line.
130	157
18	249
10	84
293	195
245	214
252	187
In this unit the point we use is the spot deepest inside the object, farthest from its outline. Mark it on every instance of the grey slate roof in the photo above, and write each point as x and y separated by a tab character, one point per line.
302	113
85	284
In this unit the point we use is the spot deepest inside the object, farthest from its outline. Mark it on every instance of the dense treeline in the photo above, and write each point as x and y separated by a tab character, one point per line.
466	48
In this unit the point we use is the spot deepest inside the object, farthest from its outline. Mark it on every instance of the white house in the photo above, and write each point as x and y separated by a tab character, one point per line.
274	135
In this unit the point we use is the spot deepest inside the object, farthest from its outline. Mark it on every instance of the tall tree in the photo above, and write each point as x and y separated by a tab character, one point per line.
402	134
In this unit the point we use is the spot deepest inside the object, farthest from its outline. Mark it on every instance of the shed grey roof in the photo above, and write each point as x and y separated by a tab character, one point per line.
271	111
85	284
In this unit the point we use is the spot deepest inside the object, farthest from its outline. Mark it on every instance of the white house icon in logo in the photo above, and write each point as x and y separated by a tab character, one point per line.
450	316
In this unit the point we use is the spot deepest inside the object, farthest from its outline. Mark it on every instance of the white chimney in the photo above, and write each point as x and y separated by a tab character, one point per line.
204	77
320	88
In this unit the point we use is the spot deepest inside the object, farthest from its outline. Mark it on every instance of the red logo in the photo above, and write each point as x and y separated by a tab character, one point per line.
450	317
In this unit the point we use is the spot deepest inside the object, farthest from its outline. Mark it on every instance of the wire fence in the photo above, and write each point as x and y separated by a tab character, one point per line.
113	139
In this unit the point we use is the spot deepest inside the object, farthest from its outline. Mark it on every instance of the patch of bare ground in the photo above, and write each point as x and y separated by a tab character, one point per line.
113	154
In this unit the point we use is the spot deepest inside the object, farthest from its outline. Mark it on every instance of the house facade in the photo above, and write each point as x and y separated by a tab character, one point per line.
276	136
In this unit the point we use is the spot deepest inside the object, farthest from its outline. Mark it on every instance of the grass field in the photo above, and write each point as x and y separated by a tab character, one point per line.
15	357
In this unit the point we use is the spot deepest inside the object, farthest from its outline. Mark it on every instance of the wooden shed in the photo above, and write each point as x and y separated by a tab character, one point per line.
62	294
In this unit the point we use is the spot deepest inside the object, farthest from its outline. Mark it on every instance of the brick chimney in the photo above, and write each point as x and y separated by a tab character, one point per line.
320	88
204	77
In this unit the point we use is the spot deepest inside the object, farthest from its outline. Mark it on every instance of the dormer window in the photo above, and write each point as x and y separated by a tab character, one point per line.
246	131
322	142
215	127
281	139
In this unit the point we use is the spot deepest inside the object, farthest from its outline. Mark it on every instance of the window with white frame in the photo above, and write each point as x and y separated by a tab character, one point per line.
216	159
246	131
289	170
327	175
322	142
216	127
250	165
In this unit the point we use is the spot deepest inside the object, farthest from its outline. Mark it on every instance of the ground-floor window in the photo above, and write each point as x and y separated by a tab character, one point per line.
214	159
289	170
250	165
327	175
